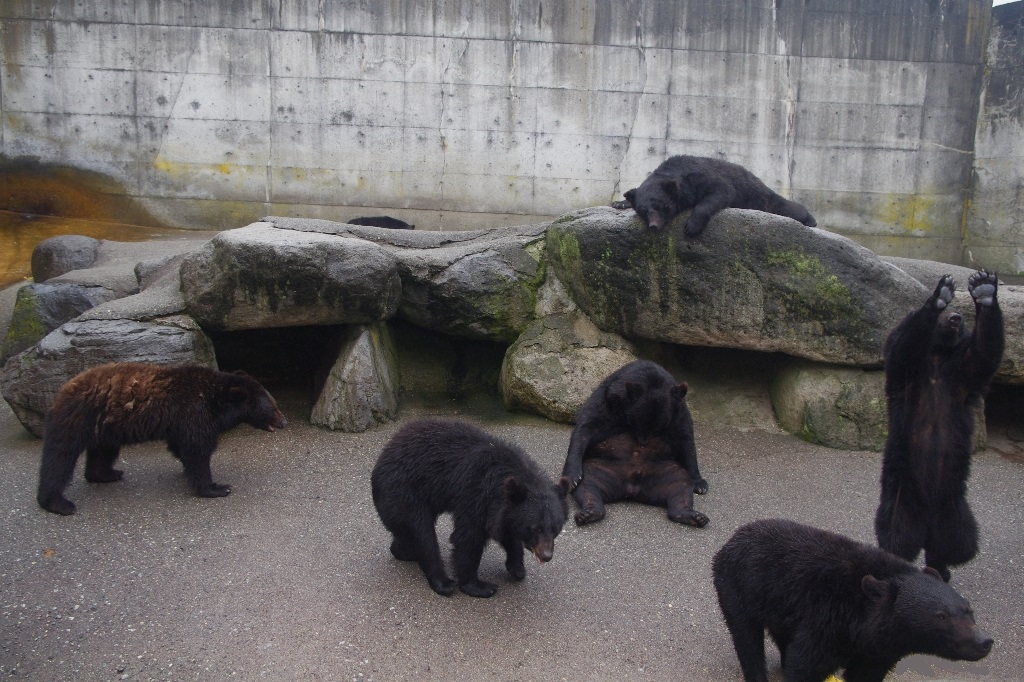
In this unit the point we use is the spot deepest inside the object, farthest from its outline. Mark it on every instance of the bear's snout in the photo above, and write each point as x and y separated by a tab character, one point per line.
544	550
979	647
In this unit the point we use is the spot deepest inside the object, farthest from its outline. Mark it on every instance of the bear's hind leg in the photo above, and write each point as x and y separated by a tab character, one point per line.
99	465
901	526
952	538
420	533
747	638
55	472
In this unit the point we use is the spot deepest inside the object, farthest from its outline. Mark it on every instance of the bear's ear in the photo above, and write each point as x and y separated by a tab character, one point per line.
631	196
242	373
634	390
928	570
237	394
876	589
562	487
679	392
515	492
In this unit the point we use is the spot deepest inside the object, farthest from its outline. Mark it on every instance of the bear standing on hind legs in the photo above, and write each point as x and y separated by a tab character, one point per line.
936	371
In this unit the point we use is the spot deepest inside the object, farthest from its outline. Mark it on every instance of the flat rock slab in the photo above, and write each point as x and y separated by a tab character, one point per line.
752	280
260	276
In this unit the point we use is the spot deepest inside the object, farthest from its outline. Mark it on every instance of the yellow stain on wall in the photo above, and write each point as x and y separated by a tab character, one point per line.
173	168
909	212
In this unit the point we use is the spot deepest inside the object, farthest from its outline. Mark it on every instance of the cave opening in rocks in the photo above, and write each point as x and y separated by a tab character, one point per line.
286	360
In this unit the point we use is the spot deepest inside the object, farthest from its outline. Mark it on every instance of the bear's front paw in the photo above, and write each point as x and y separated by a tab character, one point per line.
982	287
693	228
700	486
479	588
444	586
214	490
516	569
588	515
943	292
621	204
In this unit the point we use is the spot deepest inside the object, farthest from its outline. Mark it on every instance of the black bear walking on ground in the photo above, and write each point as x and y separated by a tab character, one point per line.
492	489
107	407
634	441
936	372
830	602
707	186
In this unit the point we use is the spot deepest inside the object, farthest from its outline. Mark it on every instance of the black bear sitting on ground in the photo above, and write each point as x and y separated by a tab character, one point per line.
707	186
492	489
107	407
382	221
830	602
936	373
634	441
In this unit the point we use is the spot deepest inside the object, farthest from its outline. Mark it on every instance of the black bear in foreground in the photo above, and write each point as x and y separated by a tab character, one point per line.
492	489
830	602
936	372
634	441
107	407
382	221
707	186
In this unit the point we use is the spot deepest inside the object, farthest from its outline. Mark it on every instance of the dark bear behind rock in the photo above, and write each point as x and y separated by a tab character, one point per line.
936	373
830	602
107	407
707	186
382	221
492	489
634	441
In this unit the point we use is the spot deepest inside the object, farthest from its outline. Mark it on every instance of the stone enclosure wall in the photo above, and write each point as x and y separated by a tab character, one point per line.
458	114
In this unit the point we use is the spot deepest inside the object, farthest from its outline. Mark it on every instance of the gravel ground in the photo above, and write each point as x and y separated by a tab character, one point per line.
290	577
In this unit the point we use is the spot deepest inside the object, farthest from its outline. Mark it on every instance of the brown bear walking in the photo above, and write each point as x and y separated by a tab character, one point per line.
106	407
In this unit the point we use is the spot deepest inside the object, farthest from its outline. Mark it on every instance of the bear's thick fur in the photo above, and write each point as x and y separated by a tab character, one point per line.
707	186
830	602
492	489
107	407
634	440
936	373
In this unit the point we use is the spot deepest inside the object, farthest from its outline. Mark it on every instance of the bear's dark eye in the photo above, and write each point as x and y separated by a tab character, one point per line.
941	615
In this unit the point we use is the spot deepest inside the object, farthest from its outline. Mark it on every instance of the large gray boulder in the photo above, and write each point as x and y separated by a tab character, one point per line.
752	280
361	387
477	284
260	276
839	407
557	363
30	380
41	308
55	256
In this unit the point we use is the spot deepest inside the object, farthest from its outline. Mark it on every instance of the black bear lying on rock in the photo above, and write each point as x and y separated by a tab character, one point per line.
830	602
936	372
634	441
107	407
707	186
492	489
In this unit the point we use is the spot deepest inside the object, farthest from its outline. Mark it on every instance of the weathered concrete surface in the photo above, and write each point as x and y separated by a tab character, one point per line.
453	116
752	280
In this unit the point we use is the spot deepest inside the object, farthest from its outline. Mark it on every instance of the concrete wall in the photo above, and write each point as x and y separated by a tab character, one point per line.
995	216
473	113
